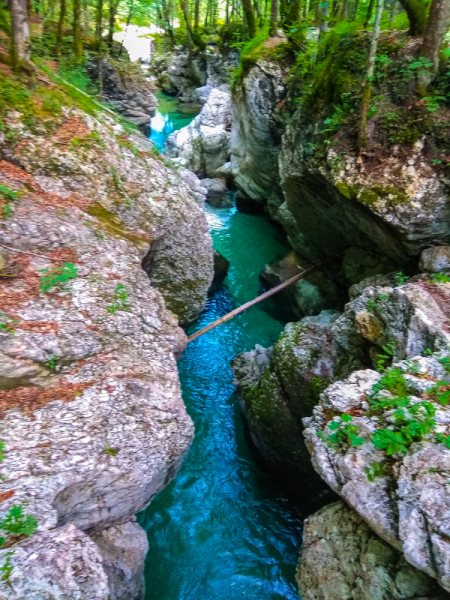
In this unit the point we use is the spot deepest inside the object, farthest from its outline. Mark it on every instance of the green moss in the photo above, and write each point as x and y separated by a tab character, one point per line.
344	189
275	426
378	192
111	224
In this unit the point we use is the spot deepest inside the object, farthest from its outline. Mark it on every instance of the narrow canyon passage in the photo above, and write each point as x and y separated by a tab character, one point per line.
222	529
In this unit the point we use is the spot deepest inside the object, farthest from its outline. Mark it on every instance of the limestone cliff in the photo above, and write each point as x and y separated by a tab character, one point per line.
92	420
294	148
378	435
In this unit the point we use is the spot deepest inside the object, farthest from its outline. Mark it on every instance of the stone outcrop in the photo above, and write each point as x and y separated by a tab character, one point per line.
343	559
217	193
403	495
203	145
332	205
307	297
279	386
123	549
258	106
125	86
91	412
130	191
194	82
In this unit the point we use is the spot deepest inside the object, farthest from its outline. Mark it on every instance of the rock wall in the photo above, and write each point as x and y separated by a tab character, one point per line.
203	145
258	106
378	438
210	69
92	418
342	559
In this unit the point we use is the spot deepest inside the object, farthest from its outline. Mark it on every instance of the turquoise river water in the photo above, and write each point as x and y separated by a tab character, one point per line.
222	529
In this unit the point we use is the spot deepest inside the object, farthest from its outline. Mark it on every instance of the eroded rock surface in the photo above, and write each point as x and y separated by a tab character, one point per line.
343	559
203	145
91	410
256	133
127	89
128	190
278	387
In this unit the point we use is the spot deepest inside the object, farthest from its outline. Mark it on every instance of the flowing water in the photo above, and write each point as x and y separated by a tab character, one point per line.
222	530
170	116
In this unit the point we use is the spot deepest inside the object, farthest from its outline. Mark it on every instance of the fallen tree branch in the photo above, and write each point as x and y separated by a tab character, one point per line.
240	309
25	252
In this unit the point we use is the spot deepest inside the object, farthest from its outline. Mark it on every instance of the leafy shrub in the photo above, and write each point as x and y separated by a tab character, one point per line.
57	276
120	300
16	523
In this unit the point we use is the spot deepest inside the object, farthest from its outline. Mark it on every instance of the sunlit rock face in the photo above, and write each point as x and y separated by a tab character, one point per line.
91	411
343	559
258	106
203	145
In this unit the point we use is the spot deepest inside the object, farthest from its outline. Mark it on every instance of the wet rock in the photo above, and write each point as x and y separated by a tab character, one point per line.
343	559
256	133
310	295
435	259
211	68
277	387
204	143
123	549
217	193
127	89
221	266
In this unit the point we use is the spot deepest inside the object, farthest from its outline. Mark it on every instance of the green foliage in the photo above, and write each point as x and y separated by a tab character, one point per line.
445	362
8	196
394	382
341	57
16	523
7	327
7	568
251	52
57	277
401	278
51	363
385	359
377	469
344	433
76	74
2	450
120	300
439	278
111	451
443	439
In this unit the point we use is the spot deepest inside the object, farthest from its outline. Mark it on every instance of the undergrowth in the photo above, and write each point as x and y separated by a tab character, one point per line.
400	417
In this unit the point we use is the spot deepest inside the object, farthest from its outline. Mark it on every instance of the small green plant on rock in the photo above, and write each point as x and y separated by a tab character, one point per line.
57	277
7	568
51	363
401	278
111	451
10	322
384	359
16	523
120	300
439	278
344	433
7	196
376	469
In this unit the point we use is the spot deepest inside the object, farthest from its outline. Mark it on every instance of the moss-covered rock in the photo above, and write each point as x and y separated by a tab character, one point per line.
278	388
